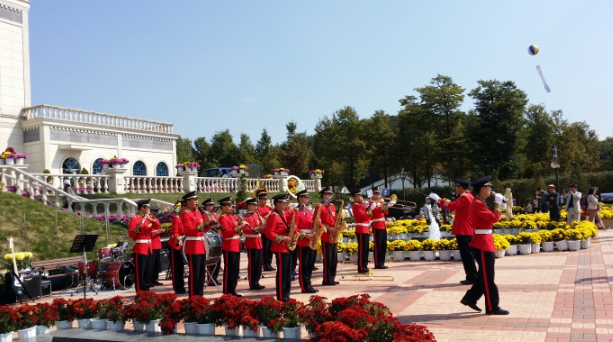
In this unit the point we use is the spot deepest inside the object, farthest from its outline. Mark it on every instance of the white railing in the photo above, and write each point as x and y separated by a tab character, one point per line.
152	185
272	185
309	185
217	184
89	117
80	184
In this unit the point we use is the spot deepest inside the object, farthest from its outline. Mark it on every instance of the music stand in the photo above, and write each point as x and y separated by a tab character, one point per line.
84	244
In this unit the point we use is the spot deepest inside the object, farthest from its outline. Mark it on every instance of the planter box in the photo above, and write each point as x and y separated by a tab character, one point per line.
205	329
499	254
292	333
512	250
98	324
138	326
371	255
415	255
536	248
429	255
353	258
562	245
444	255
3	162
525	249
10	161
456	255
574	245
514	231
586	244
547	246
8	337
119	326
27	333
105	166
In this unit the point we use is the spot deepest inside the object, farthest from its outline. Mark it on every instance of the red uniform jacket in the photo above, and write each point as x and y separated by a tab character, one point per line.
481	217
461	221
191	219
231	240
252	239
276	227
177	232
304	223
327	218
146	225
377	219
264	211
156	239
362	219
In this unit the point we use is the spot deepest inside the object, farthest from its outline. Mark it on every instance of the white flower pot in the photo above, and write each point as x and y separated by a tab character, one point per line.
98	324
547	246
399	255
345	239
562	245
190	328
371	238
105	166
19	161
154	326
456	255
84	323
514	231
319	258
525	249
415	255
497	231
371	255
63	325
353	258
248	332
536	248
27	333
391	237
512	250
8	337
116	326
499	254
340	257
574	245
429	255
138	326
444	255
293	333
41	330
2	161
266	333
311	336
10	161
238	331
586	244
402	236
205	329
180	169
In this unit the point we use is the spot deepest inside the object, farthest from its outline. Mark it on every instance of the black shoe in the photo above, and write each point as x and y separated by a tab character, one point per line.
212	284
269	268
181	291
467	282
315	268
335	282
381	267
310	291
498	311
328	284
260	287
470	305
363	271
236	294
157	283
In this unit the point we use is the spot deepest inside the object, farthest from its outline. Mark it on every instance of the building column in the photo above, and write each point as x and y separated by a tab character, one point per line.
116	181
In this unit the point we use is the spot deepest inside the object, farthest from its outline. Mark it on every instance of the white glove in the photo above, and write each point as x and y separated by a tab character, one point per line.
373	205
434	196
499	198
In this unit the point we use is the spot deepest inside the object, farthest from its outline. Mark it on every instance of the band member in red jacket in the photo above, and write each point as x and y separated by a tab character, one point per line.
156	245
482	219
139	229
253	244
305	225
195	250
176	256
289	215
264	210
328	247
231	246
362	212
462	229
379	232
277	229
211	224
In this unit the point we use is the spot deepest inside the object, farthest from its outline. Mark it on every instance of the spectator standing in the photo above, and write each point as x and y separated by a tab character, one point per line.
529	209
544	201
593	207
537	200
553	201
573	205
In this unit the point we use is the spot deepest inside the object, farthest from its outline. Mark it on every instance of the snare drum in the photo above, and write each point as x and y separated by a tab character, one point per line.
118	274
212	243
104	253
92	269
118	252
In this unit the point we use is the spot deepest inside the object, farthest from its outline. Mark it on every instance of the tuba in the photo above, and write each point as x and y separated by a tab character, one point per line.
317	231
293	234
339	224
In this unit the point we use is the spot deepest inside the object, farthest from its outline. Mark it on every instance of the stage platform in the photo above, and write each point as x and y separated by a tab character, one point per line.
80	335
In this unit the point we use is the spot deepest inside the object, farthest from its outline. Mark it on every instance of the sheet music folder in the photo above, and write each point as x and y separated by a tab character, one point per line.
83	243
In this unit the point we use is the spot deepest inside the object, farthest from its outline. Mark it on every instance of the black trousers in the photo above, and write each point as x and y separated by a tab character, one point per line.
307	261
485	281
214	269
294	255
231	266
254	269
468	260
156	266
178	270
143	271
266	252
196	274
363	240
330	259
283	280
380	237
554	214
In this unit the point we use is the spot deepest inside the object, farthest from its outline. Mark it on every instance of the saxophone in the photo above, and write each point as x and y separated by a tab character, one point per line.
339	223
317	231
293	234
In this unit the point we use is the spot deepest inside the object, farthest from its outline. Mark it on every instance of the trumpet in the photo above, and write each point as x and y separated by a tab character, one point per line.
240	217
209	216
393	202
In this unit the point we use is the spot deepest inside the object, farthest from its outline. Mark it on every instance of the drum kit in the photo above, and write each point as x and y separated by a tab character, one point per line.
110	270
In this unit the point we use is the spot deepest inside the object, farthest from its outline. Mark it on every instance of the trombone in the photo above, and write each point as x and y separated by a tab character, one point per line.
393	203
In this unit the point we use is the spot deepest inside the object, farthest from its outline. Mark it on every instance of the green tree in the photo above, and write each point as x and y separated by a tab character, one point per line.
606	154
325	141
294	152
539	140
223	150
202	153
379	135
266	152
185	150
246	150
577	146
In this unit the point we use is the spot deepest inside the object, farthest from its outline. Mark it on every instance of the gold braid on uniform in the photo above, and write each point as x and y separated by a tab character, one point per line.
301	235
237	229
279	239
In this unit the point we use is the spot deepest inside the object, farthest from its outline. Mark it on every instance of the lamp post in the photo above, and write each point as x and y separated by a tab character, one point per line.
403	176
556	166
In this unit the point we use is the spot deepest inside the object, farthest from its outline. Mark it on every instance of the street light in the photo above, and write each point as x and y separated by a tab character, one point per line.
403	176
556	166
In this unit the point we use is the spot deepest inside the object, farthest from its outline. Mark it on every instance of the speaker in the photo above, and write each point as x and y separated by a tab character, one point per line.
33	285
45	288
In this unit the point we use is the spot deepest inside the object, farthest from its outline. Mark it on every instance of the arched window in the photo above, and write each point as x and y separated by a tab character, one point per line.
96	168
161	170
71	166
139	169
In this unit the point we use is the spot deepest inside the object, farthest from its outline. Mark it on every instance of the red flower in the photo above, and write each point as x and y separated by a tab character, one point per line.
8	319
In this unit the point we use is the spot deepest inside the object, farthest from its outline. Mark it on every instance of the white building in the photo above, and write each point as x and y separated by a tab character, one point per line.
65	140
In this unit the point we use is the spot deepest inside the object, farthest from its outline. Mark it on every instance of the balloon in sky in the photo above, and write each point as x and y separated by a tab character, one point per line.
533	50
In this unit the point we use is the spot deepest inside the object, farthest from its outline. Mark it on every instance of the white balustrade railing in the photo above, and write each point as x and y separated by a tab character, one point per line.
152	185
309	185
217	184
89	117
272	185
80	184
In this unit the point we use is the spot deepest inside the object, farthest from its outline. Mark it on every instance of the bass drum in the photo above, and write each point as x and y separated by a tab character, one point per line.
118	274
212	242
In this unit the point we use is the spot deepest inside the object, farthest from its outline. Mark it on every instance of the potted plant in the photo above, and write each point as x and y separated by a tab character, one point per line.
243	169
524	243
267	176
443	247
445	230
241	207
429	248
27	321
8	323
268	310
501	245
65	314
314	314
559	238
22	259
115	314
234	170
513	241
340	251
574	237
10	158
289	322
149	308
19	158
47	317
49	180
546	240
529	226
283	171
229	314
352	249
414	249
453	247
100	323
317	173
104	163
249	322
84	310
180	167
193	166
200	315
397	247
535	240
498	227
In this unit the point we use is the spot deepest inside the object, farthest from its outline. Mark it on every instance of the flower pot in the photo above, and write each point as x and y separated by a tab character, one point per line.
311	336
248	332
105	166
586	244
345	239
392	237
116	326
266	333
399	255
371	238
27	333
205	329
514	231
19	161
180	169
238	331
499	254
562	245
512	250
63	325
444	255
525	249
2	161
574	245
8	337
536	248
154	326
84	323
138	326
10	161
456	255
293	333
429	255
415	255
353	258
98	324
319	258
371	255
497	231
402	236
547	246
340	257
190	328
41	330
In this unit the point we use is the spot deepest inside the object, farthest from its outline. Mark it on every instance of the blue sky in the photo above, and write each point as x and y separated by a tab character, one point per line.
207	66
